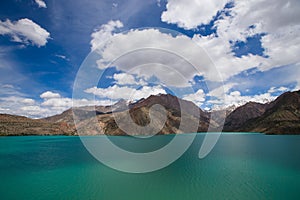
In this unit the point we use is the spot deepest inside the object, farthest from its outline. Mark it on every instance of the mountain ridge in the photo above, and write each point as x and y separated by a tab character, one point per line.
280	116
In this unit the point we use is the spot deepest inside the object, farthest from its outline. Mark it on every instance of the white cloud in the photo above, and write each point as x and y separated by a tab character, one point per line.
123	79
4	109
127	79
7	86
266	17
28	101
192	13
116	92
278	89
16	105
277	20
235	98
52	104
62	56
225	96
150	52
198	98
56	103
8	89
62	104
102	34
49	95
34	111
41	3
224	59
25	31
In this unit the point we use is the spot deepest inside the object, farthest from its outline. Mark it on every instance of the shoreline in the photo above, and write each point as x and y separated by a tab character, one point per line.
172	134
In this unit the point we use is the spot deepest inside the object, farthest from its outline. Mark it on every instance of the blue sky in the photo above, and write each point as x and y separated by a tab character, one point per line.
254	46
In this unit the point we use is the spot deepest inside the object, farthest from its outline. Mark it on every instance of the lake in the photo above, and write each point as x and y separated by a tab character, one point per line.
241	166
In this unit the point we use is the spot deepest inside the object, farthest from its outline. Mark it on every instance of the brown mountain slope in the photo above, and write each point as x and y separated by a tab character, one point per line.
242	114
102	119
18	125
176	109
281	117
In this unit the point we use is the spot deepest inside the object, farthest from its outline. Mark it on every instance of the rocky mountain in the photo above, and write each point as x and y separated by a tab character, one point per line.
242	114
18	125
282	116
137	115
132	118
144	117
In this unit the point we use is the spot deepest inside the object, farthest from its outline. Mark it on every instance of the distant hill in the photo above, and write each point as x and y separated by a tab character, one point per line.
18	125
281	116
105	117
242	114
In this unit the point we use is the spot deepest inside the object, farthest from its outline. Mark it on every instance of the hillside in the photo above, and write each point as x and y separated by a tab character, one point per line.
139	113
281	116
242	114
18	125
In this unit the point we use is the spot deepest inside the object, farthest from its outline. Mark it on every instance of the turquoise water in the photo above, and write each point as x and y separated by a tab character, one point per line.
239	167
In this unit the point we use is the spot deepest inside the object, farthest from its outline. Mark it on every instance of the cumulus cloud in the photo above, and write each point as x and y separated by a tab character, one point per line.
198	97
224	59
123	92
25	31
277	22
41	3
28	101
102	34
21	106
62	104
49	95
278	89
235	98
127	79
190	14
151	52
56	103
51	104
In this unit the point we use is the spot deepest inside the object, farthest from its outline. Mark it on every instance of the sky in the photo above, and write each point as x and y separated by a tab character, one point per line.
55	54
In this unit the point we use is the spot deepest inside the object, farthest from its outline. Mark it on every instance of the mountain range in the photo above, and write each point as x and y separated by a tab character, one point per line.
281	116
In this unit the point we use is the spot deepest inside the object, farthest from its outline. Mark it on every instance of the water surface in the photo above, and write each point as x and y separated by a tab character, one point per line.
243	166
